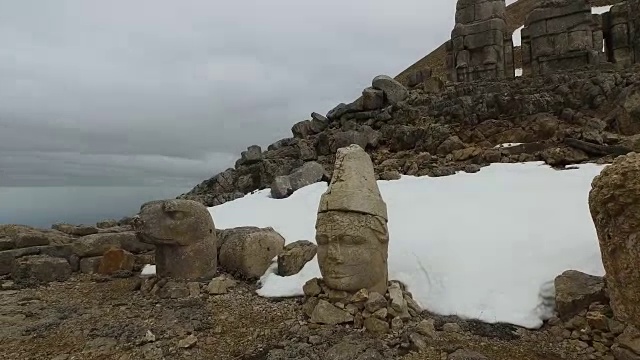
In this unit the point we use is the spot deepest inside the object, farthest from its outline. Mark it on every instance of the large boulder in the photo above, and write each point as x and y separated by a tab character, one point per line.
39	269
309	173
250	251
575	291
614	202
394	91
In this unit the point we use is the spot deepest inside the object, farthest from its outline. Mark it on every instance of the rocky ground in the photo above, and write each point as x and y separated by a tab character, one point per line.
99	317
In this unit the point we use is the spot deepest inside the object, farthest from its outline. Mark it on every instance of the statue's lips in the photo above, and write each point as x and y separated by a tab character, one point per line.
150	239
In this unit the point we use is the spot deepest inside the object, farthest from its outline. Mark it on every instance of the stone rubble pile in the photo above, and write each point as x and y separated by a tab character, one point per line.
369	310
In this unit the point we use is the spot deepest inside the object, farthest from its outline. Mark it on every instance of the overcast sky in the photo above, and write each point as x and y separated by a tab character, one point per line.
136	92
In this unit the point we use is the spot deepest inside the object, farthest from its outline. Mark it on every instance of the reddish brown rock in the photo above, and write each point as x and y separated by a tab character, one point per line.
115	260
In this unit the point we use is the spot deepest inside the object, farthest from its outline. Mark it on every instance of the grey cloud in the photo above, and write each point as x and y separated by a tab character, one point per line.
122	92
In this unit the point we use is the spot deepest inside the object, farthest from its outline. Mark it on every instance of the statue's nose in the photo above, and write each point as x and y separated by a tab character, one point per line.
136	222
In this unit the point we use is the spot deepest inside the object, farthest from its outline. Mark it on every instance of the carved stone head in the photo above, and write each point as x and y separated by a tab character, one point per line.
352	251
184	235
173	222
351	228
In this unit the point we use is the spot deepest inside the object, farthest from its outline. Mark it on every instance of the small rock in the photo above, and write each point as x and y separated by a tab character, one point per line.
187	342
427	328
310	305
351	309
396	324
397	299
466	355
375	302
194	289
315	339
220	285
376	325
381	314
390	175
630	339
451	328
597	320
418	342
412	304
361	295
312	287
149	337
106	224
295	256
575	291
326	313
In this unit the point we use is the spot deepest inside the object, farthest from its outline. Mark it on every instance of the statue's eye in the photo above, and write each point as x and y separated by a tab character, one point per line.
176	215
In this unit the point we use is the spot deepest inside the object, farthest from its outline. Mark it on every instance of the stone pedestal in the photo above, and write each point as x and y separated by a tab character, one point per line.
561	35
480	46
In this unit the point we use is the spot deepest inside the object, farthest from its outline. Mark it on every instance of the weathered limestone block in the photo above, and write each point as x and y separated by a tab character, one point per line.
184	235
614	202
621	26
561	35
248	252
40	269
480	46
351	229
295	256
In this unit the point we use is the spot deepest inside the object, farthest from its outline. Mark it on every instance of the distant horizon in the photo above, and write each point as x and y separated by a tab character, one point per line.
43	206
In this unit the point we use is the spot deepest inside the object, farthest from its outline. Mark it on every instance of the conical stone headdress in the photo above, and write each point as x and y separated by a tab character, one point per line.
353	187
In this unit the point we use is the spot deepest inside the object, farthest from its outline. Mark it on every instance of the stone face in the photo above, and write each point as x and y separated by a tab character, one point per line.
351	229
249	253
295	256
184	235
480	46
575	291
614	202
115	260
40	269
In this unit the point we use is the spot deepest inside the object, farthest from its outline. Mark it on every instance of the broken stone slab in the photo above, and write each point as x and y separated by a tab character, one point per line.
7	257
295	256
97	244
250	253
575	291
75	230
220	285
26	236
376	326
39	269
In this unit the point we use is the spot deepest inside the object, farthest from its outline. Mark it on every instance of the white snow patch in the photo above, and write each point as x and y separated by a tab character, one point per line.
148	270
484	245
600	9
517	36
519	72
506	145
